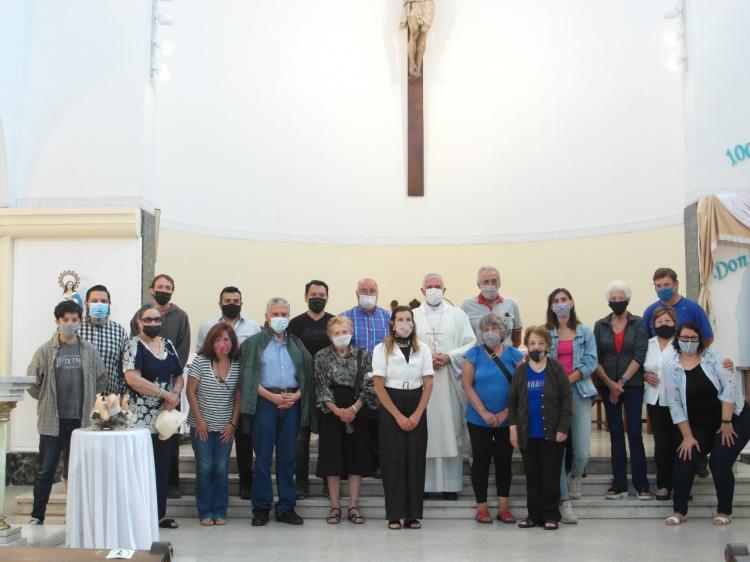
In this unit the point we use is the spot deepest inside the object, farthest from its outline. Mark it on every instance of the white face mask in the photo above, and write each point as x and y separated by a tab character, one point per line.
433	296
342	341
278	323
489	291
403	329
367	301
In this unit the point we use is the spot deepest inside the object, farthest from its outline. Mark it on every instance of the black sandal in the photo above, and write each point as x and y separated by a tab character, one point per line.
526	524
334	516
168	524
412	524
394	524
550	526
355	517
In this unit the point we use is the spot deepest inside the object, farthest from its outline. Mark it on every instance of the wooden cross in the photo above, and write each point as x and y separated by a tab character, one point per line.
415	137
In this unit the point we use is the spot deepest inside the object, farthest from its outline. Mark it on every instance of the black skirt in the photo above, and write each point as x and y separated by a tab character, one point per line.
341	453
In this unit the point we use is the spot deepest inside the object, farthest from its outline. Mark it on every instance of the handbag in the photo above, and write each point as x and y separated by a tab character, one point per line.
499	363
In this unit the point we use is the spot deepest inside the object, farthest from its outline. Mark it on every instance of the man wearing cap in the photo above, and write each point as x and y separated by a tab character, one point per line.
276	387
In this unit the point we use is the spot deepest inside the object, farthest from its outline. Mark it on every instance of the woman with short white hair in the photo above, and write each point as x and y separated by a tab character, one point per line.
621	345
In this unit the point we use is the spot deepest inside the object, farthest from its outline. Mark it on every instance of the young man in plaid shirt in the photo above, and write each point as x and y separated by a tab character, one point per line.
107	336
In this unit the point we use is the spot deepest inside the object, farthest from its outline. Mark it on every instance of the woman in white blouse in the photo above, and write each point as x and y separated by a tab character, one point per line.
661	351
402	375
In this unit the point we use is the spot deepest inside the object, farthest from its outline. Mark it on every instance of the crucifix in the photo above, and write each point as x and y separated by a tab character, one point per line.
416	16
435	337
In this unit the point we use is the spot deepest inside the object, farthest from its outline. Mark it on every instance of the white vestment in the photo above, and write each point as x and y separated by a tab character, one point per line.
446	329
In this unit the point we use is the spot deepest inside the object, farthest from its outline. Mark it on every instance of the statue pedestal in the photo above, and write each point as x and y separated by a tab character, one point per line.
11	391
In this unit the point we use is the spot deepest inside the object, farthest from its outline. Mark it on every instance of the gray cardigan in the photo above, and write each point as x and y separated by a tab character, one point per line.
557	402
634	347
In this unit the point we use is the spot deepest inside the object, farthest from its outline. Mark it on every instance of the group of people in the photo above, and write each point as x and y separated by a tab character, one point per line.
402	395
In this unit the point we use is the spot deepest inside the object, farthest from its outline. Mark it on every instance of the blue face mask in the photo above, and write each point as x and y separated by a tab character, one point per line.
665	294
98	310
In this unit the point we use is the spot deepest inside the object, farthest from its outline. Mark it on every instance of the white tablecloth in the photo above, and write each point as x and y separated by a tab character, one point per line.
111	490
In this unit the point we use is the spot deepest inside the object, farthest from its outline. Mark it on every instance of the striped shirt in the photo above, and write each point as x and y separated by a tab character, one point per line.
110	340
215	397
369	329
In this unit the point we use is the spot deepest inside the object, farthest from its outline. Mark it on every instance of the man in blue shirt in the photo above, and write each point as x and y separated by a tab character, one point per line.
276	387
369	320
667	289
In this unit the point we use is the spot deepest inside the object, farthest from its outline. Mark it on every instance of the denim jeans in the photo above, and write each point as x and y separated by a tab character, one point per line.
211	475
580	435
49	455
274	428
721	459
632	401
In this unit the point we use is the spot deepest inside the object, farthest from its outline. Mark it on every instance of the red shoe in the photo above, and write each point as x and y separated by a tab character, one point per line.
483	517
506	517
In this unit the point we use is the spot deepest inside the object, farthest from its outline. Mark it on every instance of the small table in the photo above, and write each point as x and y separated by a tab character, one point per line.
111	490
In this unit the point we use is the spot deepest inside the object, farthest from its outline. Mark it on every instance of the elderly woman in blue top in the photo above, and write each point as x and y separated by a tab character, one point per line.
486	377
708	406
574	346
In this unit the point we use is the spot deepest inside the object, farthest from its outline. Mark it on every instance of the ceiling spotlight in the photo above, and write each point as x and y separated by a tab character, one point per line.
161	72
165	19
672	39
673	62
166	47
674	13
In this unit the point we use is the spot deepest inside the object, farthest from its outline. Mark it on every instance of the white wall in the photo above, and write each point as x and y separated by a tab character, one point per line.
282	116
85	111
716	95
291	117
115	263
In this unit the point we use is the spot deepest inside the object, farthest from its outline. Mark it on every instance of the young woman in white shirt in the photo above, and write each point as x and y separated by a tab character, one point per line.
660	350
402	376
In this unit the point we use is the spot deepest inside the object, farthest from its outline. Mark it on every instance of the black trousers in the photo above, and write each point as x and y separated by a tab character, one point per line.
665	444
403	458
50	449
542	461
243	449
302	456
720	458
488	444
162	461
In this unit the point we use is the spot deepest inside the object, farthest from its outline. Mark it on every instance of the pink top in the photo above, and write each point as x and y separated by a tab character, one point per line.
565	355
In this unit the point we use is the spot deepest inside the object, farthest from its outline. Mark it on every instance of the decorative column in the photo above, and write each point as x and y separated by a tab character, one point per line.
11	391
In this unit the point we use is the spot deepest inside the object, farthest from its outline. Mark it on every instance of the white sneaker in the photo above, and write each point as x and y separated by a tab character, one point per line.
35	521
575	486
566	513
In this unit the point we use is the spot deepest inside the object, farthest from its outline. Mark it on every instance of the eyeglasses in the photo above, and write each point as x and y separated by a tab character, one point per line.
151	320
692	340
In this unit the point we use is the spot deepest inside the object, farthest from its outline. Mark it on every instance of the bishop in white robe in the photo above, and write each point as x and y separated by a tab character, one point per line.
447	331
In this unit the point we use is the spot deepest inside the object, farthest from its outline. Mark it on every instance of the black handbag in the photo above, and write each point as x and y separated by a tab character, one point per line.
499	363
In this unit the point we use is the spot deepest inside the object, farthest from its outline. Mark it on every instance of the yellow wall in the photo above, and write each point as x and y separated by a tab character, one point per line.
202	265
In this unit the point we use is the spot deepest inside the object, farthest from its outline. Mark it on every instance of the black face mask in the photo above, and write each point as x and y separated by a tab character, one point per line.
618	307
665	331
536	355
152	331
231	310
316	304
162	298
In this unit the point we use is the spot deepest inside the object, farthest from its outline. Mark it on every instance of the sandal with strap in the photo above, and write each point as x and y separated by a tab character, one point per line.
355	517
412	524
550	526
394	524
506	517
168	524
526	524
483	517
334	516
722	520
674	520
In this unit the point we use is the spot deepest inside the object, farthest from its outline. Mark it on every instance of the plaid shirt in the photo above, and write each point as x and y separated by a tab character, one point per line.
369	329
109	340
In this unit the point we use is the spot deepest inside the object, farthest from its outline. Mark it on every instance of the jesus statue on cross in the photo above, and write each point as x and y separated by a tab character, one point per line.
417	16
